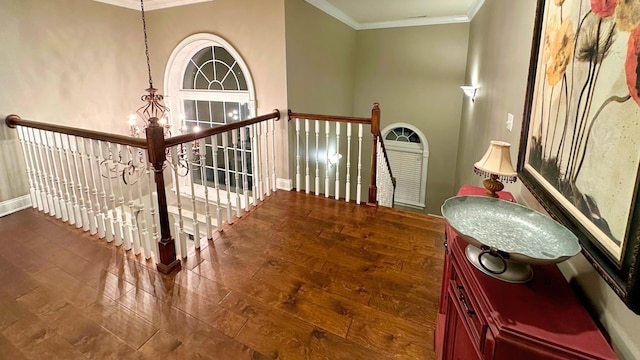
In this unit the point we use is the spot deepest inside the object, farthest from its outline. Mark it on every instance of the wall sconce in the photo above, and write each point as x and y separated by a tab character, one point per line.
470	91
333	159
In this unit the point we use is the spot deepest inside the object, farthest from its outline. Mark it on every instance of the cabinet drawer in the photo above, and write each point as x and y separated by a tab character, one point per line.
468	308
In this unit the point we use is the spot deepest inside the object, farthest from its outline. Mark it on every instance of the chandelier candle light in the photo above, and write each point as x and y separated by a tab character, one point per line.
496	166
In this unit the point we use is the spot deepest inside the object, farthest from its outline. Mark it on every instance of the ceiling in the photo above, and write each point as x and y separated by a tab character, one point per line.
363	14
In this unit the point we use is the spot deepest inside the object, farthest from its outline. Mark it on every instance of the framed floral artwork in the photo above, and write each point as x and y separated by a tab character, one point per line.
580	146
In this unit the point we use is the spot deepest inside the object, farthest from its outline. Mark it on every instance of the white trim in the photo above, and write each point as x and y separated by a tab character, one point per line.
150	4
335	12
180	57
284	184
421	21
474	8
15	205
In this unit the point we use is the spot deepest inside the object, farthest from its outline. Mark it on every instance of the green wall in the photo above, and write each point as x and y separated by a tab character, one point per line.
415	74
498	62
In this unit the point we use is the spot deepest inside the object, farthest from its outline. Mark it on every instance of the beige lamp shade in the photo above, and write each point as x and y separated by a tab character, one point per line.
497	161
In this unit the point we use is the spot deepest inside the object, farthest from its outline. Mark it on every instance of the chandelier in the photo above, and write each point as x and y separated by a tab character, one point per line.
154	108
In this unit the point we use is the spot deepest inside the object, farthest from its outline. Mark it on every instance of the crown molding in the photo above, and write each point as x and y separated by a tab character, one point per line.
335	12
413	22
150	4
420	21
474	8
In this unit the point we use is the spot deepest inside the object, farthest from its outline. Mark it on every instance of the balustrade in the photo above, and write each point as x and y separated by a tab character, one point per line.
115	186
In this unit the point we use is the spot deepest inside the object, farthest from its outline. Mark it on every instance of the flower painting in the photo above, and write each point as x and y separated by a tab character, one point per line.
580	151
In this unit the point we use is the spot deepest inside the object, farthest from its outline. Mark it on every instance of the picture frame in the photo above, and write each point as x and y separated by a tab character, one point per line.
579	151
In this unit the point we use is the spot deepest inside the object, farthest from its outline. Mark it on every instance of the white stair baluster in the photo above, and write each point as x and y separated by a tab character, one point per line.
126	226
133	177
117	226
77	162
359	177
216	181
182	236
75	217
101	154
194	210
29	167
134	165
298	184
46	173
307	176
317	178
254	163
326	163
236	171
91	163
245	176
347	195
58	200
259	174
155	236
83	154
37	152
205	186
62	183
53	172
272	125
227	178
266	158
337	164
145	235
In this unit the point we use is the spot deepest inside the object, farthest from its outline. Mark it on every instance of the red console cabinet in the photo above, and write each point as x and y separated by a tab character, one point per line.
484	318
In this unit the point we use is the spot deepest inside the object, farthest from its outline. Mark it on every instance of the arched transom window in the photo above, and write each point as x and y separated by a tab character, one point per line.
208	84
408	153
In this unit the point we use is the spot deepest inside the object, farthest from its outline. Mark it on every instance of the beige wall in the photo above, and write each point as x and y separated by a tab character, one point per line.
65	62
255	28
415	74
320	73
498	62
320	61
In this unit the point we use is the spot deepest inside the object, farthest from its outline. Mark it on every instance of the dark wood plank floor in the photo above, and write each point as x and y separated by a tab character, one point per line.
300	277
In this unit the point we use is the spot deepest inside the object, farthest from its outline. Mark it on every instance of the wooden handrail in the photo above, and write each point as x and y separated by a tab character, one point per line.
386	159
14	120
343	119
184	138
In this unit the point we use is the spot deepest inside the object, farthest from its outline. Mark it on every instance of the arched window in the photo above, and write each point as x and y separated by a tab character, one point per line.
408	153
208	84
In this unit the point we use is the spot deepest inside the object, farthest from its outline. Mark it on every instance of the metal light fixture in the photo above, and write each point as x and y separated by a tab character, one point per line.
154	110
470	91
496	166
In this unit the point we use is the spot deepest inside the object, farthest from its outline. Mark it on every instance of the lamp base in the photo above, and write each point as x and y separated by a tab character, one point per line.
493	185
498	267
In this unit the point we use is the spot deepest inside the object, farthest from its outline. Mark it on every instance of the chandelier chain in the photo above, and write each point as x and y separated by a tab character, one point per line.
146	43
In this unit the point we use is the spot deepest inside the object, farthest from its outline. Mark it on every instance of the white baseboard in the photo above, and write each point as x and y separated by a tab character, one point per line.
13	205
284	184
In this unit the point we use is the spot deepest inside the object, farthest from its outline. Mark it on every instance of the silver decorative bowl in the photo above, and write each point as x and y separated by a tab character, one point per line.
506	237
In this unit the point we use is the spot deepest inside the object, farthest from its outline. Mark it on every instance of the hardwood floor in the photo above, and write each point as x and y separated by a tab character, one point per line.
299	277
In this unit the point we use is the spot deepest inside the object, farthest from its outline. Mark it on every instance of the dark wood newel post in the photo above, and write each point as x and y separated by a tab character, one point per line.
375	132
168	261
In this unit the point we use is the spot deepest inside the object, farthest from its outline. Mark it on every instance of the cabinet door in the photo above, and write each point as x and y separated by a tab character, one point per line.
458	343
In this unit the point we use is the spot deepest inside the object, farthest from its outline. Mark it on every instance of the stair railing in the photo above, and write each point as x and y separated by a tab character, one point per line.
115	186
318	159
104	183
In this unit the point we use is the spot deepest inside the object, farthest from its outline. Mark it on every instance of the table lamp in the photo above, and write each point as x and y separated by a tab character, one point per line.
496	167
